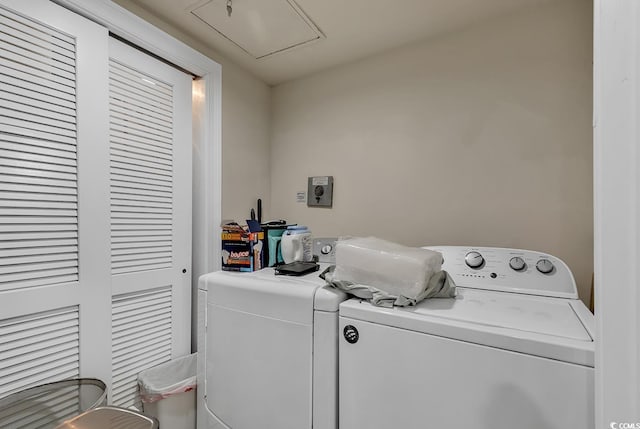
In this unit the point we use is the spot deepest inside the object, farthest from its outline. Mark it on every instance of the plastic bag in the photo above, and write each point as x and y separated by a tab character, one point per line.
393	268
162	381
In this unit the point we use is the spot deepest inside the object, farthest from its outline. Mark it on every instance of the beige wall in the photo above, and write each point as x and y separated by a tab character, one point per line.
245	143
481	137
245	127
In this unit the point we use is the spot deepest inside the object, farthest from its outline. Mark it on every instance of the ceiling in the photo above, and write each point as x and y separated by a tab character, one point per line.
324	33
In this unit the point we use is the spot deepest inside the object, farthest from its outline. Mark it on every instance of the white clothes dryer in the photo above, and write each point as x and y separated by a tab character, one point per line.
267	351
514	349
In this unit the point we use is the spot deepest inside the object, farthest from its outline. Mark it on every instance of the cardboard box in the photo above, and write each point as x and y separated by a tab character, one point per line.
242	251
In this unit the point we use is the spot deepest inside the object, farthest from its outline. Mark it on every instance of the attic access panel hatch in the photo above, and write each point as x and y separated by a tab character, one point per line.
259	27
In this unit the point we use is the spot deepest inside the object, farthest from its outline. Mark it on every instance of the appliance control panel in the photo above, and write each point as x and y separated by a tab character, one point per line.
508	270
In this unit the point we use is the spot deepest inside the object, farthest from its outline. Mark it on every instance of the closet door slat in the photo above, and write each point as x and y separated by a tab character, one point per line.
139	132
56	39
36	29
30	92
31	151
19	55
12	99
11	229
37	348
131	174
122	137
34	185
132	315
50	49
141	139
141	206
143	83
45	128
122	110
135	154
48	278
133	250
141	90
132	74
141	149
140	240
29	113
120	96
32	130
64	176
31	82
29	155
141	214
133	162
38	250
38	155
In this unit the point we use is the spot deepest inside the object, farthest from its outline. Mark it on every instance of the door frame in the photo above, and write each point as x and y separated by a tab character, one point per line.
616	162
207	125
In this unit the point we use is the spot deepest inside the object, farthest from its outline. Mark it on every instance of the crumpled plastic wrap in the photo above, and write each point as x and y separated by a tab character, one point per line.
389	273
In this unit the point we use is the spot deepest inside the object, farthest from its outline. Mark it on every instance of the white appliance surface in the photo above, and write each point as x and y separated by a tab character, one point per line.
546	327
271	351
506	352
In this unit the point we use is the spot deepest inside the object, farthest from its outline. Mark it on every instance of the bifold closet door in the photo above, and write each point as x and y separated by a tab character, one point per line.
95	204
150	207
54	272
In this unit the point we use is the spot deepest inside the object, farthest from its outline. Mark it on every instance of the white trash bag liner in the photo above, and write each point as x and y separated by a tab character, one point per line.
167	379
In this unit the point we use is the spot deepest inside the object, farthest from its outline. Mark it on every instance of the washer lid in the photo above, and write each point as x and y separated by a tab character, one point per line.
547	327
507	310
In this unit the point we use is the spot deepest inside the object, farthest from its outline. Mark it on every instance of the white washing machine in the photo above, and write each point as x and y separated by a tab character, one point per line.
267	353
514	349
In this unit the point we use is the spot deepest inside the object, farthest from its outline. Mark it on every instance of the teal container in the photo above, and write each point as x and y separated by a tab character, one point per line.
273	235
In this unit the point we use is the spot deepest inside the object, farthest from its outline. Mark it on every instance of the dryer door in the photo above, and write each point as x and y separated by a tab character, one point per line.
398	378
258	370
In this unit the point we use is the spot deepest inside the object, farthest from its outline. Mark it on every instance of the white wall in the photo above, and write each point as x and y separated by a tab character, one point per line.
245	127
482	136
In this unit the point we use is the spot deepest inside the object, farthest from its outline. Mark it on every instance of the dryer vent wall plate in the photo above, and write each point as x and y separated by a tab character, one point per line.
320	191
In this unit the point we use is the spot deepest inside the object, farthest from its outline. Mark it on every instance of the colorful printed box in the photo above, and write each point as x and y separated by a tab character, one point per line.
242	251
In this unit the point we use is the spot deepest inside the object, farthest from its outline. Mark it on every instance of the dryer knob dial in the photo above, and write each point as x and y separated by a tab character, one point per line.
474	259
517	263
545	266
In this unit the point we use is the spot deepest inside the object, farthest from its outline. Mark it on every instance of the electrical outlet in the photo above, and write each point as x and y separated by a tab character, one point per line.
320	191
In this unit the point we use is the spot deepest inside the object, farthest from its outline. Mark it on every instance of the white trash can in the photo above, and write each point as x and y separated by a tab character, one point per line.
168	393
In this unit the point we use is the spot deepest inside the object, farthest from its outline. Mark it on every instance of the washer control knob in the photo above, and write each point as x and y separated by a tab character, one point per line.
326	249
517	263
474	259
545	266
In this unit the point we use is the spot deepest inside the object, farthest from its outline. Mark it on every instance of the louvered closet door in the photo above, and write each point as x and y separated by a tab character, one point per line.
150	164
54	279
